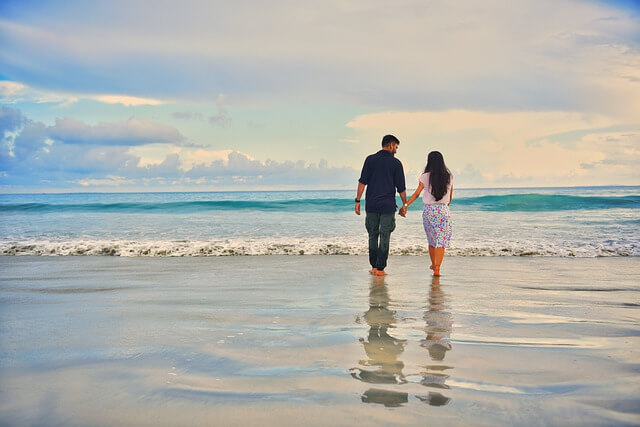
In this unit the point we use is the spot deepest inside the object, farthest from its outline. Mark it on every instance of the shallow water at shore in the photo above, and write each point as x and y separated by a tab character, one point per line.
568	222
316	340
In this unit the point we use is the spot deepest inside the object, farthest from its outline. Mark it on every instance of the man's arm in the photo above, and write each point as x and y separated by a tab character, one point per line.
358	196
401	187
403	209
362	182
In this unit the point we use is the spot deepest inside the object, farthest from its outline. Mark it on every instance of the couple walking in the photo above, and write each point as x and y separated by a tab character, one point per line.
383	175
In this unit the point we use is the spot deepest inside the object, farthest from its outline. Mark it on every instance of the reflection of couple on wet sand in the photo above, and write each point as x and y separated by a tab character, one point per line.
383	350
438	324
382	175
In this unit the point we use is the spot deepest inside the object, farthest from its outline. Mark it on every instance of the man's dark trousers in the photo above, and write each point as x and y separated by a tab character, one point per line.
379	226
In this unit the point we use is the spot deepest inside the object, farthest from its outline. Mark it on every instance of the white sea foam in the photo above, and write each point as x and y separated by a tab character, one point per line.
294	246
292	223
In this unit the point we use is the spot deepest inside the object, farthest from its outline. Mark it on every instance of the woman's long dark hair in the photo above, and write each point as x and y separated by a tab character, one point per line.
439	175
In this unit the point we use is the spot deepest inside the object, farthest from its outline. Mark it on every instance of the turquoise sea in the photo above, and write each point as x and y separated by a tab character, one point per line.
576	221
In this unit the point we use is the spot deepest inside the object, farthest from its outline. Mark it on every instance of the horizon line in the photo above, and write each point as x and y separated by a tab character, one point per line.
301	190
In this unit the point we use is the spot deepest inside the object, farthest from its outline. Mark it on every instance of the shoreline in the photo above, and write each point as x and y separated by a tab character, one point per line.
287	247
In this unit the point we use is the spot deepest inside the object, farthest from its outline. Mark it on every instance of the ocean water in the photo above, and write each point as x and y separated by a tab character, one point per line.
580	222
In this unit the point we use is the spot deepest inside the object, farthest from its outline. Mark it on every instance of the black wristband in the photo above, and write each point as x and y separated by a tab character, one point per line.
357	200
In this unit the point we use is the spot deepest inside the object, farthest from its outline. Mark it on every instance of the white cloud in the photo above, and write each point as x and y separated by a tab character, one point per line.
109	180
506	149
242	168
154	154
126	100
201	156
620	155
429	55
88	156
8	90
133	131
12	92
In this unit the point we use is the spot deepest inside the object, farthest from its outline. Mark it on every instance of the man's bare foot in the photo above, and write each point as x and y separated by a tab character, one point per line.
373	271
380	272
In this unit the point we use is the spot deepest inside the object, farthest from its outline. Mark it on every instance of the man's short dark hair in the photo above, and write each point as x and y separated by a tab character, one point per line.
389	139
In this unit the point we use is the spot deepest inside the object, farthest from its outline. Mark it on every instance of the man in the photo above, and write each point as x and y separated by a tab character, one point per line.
382	174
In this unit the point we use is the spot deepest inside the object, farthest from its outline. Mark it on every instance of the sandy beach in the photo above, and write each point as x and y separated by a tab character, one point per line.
315	340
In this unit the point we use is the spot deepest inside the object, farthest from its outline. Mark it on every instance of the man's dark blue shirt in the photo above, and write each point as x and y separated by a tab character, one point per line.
382	173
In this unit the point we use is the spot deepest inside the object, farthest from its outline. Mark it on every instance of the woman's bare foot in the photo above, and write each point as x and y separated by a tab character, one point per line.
431	267
436	271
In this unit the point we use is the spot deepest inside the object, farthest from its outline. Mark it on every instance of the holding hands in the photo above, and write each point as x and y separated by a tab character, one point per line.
414	196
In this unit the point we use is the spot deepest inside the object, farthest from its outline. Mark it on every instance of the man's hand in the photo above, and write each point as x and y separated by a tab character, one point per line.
357	208
403	212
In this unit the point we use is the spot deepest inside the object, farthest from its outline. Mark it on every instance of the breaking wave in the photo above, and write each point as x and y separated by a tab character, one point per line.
290	246
502	203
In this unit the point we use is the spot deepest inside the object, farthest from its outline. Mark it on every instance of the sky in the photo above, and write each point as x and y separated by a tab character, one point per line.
252	95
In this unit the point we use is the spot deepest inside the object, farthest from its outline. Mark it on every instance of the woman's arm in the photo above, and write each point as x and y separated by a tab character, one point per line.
450	195
415	195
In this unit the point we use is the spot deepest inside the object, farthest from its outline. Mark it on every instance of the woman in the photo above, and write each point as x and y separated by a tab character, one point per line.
438	181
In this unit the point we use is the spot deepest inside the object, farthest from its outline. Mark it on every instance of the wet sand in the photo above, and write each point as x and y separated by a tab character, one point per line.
315	340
